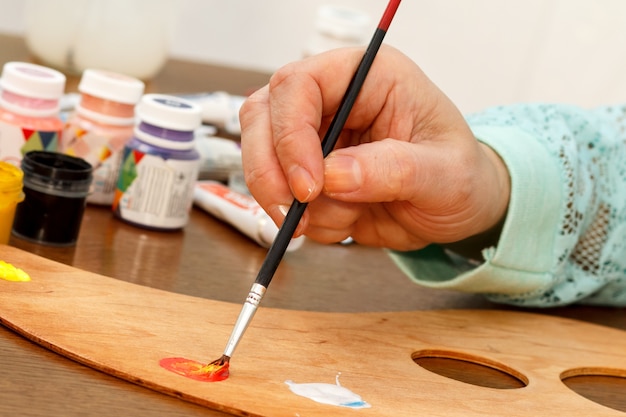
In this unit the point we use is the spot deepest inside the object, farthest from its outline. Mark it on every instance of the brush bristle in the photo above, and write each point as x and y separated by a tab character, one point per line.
221	361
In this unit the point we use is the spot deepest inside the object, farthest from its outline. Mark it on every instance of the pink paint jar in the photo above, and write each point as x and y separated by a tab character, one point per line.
29	110
101	125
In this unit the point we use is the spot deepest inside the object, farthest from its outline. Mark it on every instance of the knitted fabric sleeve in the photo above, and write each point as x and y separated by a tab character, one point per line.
564	237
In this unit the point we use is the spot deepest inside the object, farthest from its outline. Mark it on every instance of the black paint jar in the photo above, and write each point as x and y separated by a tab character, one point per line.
55	188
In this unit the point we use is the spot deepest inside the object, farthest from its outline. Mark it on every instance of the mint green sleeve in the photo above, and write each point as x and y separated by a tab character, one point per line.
564	237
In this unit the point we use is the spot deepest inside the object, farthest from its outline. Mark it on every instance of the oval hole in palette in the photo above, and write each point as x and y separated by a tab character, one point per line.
470	369
584	382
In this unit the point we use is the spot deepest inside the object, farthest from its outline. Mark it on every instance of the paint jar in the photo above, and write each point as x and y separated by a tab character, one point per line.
10	194
100	127
29	109
159	165
338	27
55	187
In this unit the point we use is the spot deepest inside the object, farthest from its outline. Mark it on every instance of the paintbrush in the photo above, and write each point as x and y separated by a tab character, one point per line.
287	229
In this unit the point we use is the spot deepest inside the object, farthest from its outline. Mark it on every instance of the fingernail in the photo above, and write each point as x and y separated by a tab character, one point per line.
278	212
283	209
302	184
342	174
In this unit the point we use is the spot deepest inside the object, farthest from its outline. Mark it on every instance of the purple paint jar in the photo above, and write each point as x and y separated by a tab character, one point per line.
55	189
159	165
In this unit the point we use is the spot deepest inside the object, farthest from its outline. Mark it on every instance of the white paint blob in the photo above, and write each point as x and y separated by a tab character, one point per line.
328	393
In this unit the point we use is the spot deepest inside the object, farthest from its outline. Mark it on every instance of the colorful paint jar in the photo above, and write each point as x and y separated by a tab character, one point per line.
55	187
100	127
29	109
159	165
10	194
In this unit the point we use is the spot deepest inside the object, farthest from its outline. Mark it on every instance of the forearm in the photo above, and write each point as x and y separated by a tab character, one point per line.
567	193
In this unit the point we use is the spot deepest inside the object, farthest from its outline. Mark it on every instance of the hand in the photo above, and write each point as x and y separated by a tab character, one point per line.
406	171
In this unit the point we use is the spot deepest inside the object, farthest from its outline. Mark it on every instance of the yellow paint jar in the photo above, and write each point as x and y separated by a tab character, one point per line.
10	195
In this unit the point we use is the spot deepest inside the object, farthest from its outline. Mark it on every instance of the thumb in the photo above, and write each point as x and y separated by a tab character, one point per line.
386	171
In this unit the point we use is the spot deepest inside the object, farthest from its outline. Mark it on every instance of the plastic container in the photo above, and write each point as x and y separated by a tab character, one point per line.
55	188
128	36
10	194
29	109
100	127
219	158
338	27
159	165
219	109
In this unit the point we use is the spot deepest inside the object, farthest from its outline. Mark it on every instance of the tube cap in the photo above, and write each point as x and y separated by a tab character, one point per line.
268	231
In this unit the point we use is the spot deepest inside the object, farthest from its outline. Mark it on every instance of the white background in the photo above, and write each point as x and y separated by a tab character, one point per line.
480	52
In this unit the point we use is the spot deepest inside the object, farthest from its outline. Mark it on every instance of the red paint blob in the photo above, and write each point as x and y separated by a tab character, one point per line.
196	370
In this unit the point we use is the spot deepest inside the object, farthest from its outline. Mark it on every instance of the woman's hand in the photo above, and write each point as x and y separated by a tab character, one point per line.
406	171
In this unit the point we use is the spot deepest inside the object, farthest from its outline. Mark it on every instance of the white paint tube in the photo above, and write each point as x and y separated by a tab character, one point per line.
240	211
220	109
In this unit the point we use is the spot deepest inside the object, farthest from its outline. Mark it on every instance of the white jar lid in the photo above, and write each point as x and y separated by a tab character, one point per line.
169	112
31	80
343	22
111	86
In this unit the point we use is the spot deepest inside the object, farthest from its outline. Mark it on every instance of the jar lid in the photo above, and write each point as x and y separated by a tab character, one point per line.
342	22
111	86
56	166
169	112
31	80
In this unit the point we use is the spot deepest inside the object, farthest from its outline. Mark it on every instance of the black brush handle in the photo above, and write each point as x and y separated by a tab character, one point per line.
279	246
287	229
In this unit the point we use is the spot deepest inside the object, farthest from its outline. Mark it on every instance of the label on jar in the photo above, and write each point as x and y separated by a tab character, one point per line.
105	180
102	149
153	191
15	141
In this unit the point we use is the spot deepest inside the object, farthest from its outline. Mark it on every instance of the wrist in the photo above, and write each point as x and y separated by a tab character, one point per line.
498	190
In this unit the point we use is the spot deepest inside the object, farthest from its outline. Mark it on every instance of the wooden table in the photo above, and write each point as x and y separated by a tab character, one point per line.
210	257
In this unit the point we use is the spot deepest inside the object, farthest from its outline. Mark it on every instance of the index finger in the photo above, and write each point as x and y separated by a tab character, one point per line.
264	175
304	97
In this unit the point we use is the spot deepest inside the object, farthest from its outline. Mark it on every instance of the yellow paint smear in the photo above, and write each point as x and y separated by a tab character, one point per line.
10	273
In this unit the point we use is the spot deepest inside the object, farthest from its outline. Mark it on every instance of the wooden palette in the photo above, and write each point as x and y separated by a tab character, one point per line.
125	329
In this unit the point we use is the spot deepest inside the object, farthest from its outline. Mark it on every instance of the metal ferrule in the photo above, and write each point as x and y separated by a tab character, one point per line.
245	317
